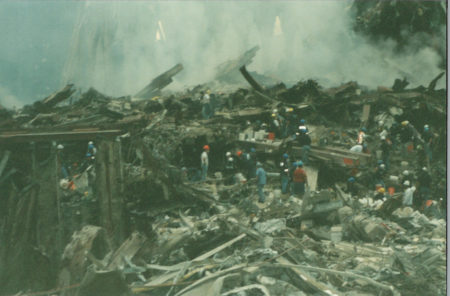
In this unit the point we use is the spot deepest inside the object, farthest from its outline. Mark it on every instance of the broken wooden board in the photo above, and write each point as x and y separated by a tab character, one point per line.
127	250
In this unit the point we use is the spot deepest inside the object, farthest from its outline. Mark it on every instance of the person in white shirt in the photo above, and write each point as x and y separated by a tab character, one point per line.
204	162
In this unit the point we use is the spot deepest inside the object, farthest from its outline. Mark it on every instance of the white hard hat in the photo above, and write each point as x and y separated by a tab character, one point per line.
406	183
228	154
60	147
380	122
275	111
424	168
382	166
405	172
230	159
91	143
426	126
383	137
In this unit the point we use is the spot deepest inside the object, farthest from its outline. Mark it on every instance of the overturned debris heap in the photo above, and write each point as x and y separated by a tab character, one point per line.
105	196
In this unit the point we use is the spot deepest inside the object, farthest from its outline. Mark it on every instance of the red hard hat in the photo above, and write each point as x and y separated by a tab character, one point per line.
239	153
206	147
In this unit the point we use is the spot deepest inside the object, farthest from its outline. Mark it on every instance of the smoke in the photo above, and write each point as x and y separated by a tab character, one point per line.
113	46
8	100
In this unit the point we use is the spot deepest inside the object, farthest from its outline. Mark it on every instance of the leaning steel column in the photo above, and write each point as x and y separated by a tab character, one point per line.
109	188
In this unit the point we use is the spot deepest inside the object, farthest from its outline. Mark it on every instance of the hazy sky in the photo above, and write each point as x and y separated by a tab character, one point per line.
112	46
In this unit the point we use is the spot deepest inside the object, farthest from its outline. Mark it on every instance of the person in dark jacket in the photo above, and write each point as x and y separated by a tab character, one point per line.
284	173
261	181
305	142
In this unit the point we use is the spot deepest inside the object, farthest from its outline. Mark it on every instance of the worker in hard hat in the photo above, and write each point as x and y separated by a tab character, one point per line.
62	161
275	125
379	173
91	148
303	126
351	186
204	161
284	173
427	136
299	180
385	147
406	137
230	168
206	104
304	142
261	181
380	194
408	194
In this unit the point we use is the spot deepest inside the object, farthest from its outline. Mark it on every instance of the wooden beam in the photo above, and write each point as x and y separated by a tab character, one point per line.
76	135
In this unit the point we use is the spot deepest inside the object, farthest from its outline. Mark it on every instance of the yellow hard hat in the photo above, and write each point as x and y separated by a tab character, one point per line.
381	190
405	123
273	115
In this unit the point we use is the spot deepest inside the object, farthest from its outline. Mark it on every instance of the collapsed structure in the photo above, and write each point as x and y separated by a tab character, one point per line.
136	221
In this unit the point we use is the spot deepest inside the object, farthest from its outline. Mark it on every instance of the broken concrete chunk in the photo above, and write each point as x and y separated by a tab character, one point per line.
271	226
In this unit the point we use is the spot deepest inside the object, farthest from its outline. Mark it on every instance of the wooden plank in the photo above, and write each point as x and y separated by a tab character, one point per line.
18	137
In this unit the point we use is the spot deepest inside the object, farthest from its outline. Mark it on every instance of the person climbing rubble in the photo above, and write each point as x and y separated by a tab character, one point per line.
299	180
424	180
380	194
251	174
406	137
206	104
284	173
351	186
261	181
303	126
385	147
406	176
275	125
304	141
361	136
408	194
379	173
91	148
62	161
427	136
230	169
204	162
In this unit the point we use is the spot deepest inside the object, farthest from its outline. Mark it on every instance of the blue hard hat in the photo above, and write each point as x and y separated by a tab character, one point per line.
294	163
90	146
88	155
252	150
364	129
351	179
302	121
285	155
300	163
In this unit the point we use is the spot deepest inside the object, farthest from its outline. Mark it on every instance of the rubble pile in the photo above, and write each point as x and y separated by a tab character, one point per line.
139	220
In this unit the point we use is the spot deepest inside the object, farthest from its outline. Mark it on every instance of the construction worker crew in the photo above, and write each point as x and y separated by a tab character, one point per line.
204	162
261	178
299	179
